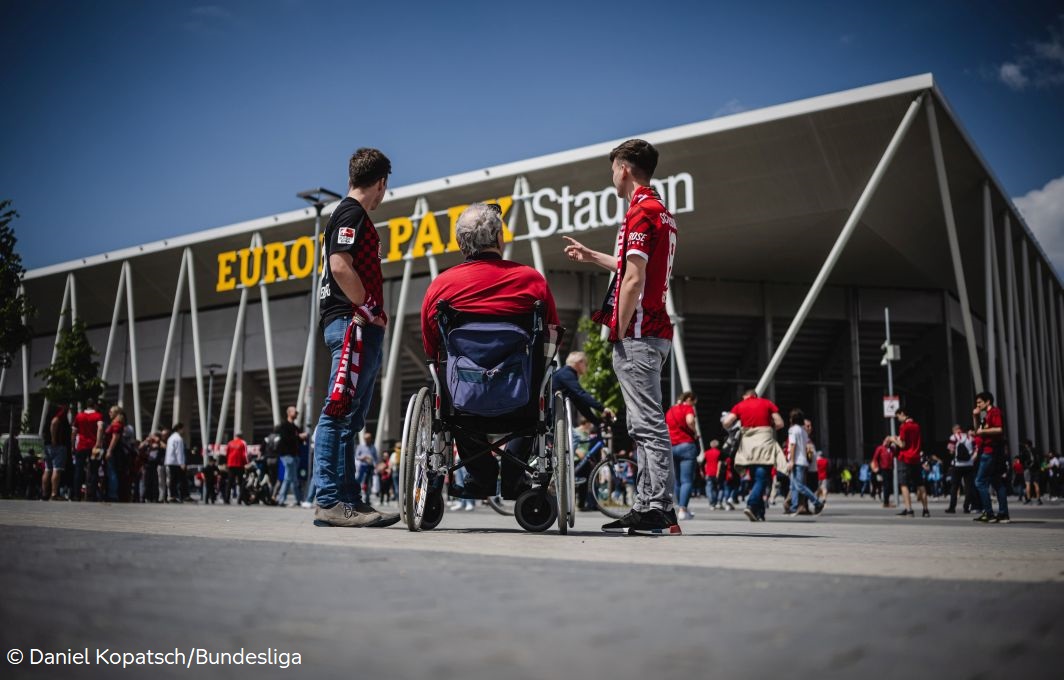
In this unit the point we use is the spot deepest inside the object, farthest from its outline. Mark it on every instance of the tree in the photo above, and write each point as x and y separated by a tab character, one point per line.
13	305
75	376
600	380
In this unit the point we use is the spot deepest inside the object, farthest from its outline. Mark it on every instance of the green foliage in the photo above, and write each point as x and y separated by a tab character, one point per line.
75	376
600	380
13	305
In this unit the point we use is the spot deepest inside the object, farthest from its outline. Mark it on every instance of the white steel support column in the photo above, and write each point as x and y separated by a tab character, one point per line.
55	346
1052	365
267	330
25	363
1028	338
158	412
1009	322
520	198
131	321
1043	365
840	243
1017	342
73	298
396	330
238	397
303	397
230	369
194	313
179	363
989	266
1011	411
525	189
677	341
114	323
954	246
1058	343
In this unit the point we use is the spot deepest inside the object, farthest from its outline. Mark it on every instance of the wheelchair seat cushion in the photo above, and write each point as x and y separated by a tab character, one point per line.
489	367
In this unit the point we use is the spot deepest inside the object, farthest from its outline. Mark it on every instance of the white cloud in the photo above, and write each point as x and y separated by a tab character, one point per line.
1040	62
730	107
1012	75
1043	210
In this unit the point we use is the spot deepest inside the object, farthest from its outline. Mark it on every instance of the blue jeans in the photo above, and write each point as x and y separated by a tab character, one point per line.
755	500
713	491
684	458
988	475
291	480
334	443
112	479
798	487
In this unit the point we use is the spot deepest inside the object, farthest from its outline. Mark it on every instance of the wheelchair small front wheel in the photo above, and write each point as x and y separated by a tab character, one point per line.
536	510
432	515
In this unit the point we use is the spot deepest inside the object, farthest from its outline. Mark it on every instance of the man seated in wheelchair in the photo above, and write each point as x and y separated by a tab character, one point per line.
485	322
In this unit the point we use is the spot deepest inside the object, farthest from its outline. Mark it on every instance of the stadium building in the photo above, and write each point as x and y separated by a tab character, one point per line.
800	225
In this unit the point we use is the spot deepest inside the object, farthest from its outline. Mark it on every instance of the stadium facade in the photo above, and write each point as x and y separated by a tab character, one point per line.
800	224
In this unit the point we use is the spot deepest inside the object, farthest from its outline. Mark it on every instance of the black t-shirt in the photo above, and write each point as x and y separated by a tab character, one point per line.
288	442
350	231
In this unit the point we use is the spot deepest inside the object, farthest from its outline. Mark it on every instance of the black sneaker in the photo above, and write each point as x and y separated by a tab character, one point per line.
951	511
905	513
818	508
657	522
622	525
926	513
985	518
1002	519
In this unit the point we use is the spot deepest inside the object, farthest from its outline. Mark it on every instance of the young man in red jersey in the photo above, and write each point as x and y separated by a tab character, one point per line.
640	330
910	471
991	458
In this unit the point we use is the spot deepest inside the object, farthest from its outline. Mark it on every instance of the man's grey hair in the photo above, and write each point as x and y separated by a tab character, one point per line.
574	358
478	228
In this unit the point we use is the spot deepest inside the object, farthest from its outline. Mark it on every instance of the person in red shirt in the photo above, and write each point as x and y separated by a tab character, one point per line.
758	449
87	431
910	471
822	476
883	467
992	459
712	466
484	284
640	329
236	459
683	433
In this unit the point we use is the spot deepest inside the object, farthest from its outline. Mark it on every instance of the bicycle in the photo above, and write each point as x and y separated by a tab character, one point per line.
611	484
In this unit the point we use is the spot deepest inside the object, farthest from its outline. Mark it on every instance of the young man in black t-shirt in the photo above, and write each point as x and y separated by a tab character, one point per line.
352	322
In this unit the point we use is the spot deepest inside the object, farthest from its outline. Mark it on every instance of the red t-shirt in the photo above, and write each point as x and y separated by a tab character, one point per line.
712	462
990	444
821	469
882	458
487	285
910	436
755	412
676	419
85	424
649	231
236	453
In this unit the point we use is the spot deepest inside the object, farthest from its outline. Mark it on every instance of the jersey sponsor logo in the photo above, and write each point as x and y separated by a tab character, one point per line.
637	238
345	236
324	291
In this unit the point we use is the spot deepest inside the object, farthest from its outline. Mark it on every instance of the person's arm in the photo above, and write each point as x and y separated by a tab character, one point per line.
630	289
777	421
343	272
99	434
692	423
578	252
53	430
111	445
728	419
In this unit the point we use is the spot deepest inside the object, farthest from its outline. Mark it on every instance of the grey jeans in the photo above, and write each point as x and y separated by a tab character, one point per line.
637	363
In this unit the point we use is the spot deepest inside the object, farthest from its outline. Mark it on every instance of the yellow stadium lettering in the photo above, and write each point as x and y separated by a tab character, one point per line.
301	257
275	269
401	229
428	234
226	280
254	255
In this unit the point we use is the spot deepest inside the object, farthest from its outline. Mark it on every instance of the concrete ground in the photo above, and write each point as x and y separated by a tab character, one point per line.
854	592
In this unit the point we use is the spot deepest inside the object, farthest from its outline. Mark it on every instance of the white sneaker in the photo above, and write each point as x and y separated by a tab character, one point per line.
684	514
470	508
457	505
306	504
731	506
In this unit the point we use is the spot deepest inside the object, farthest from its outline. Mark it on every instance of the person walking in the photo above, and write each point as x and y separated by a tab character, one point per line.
236	459
799	446
758	449
683	435
366	463
288	439
962	472
714	487
153	449
175	463
993	460
55	454
883	467
1032	469
87	432
640	330
352	323
911	470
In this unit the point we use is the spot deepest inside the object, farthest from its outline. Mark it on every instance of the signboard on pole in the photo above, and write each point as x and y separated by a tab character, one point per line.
891	404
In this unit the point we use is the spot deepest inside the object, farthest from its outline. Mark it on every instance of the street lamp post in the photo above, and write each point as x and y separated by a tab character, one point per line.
211	368
891	353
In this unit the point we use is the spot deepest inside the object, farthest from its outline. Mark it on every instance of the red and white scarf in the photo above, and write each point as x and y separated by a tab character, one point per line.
350	365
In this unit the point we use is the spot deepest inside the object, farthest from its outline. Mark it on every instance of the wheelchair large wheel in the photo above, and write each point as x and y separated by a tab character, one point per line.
536	510
613	493
404	458
564	487
416	450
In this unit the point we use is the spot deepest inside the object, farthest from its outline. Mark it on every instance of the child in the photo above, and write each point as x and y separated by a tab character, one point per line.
210	481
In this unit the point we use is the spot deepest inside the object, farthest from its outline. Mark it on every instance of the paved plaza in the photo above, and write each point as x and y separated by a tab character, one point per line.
856	592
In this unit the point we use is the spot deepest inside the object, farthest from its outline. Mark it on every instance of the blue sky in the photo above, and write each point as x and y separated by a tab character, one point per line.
125	122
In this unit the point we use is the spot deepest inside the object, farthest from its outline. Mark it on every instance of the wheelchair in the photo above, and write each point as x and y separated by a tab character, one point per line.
491	395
